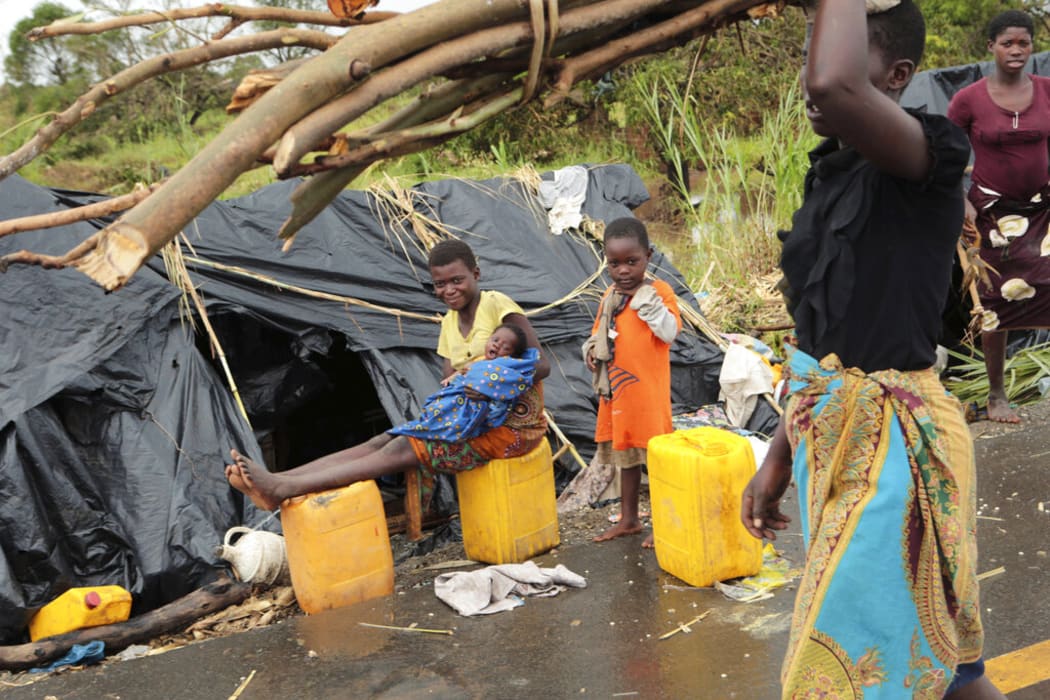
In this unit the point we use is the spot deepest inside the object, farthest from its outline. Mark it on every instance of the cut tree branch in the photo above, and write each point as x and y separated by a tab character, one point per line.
97	210
311	197
237	14
303	137
143	230
86	104
414	139
641	42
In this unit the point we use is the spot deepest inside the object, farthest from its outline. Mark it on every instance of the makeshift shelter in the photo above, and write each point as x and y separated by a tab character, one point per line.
114	427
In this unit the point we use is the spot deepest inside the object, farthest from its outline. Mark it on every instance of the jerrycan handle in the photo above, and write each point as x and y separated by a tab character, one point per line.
238	530
710	448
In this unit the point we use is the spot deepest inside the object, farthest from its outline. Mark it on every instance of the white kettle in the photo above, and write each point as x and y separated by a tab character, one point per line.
258	556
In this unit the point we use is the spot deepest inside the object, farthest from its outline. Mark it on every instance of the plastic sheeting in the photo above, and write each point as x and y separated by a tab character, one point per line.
112	434
114	429
358	249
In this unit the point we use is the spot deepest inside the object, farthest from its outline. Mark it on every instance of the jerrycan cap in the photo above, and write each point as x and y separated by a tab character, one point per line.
92	600
707	447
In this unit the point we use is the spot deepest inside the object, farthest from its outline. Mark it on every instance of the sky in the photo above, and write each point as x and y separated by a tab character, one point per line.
13	11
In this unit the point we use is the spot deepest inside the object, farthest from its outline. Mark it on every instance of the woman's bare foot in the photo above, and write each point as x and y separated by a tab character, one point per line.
620	529
259	484
999	410
648	544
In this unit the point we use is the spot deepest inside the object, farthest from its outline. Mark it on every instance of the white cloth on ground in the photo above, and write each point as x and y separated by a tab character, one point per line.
564	197
744	377
496	588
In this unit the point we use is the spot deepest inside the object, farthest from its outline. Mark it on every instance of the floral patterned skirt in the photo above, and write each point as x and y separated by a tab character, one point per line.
887	606
1015	245
525	426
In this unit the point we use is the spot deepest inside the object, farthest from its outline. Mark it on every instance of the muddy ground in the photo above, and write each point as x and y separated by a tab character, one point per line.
272	605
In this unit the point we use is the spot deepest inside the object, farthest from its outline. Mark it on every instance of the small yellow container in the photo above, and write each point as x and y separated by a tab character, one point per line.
508	508
338	547
696	481
89	606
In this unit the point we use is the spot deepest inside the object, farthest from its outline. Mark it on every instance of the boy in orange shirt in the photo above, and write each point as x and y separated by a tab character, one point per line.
629	352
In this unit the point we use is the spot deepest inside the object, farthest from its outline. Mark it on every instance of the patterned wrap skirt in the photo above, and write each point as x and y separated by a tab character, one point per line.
525	426
887	606
1015	245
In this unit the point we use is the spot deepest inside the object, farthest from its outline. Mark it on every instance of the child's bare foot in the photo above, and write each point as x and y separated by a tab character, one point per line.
620	529
648	544
233	475
259	484
999	411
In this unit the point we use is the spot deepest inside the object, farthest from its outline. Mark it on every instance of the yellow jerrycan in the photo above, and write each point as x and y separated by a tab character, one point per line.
338	547
88	606
696	481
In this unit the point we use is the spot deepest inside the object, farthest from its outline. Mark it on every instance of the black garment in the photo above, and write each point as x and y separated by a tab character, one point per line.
868	259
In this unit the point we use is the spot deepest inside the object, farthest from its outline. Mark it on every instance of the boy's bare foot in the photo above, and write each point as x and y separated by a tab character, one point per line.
648	544
620	529
259	484
999	411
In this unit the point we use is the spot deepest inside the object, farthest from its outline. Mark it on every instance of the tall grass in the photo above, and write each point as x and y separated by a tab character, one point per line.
747	189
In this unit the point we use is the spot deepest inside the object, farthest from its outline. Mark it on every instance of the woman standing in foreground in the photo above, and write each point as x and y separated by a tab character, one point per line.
887	606
1007	117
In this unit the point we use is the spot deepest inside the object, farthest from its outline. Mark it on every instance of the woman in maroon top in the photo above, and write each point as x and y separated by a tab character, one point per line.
1007	117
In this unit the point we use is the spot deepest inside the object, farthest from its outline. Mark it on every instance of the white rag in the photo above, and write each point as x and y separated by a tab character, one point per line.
564	197
496	588
744	377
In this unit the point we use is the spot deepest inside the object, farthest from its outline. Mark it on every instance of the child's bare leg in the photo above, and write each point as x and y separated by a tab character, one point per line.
630	483
267	489
356	452
994	346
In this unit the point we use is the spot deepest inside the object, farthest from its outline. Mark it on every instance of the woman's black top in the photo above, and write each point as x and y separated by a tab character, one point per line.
868	259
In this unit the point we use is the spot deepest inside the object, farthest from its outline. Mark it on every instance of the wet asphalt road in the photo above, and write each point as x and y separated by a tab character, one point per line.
600	642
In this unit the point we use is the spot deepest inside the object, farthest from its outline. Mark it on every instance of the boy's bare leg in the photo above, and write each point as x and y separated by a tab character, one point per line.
994	346
267	489
630	483
980	689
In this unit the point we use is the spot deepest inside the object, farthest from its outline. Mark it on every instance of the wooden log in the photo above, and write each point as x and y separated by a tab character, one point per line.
169	618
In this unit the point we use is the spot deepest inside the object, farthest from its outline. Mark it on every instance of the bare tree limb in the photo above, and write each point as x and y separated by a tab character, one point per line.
68	216
416	138
301	138
119	253
235	13
640	42
87	103
311	197
25	257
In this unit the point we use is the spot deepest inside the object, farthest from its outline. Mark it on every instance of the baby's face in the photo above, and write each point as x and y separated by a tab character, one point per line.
502	343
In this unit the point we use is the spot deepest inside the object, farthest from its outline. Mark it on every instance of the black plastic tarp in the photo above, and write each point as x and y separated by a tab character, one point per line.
112	433
360	250
114	428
